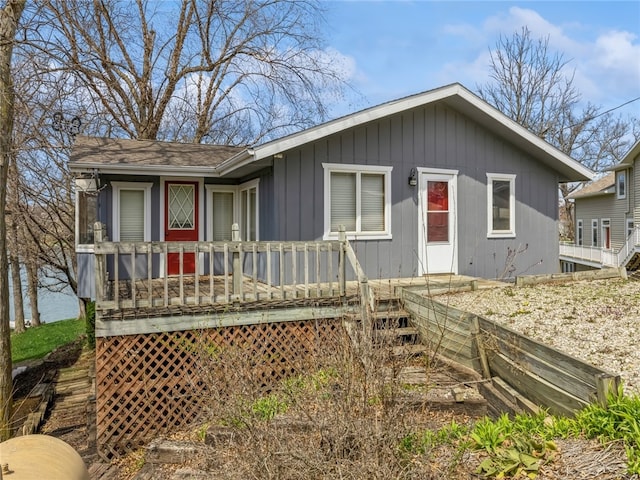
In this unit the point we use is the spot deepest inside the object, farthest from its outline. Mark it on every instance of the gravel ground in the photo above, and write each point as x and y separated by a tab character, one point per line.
596	321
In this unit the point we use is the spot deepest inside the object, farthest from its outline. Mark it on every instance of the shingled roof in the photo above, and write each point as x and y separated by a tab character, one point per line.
105	152
602	186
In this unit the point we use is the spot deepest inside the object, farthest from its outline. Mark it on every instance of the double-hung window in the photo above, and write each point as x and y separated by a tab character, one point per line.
131	211
501	205
594	233
357	197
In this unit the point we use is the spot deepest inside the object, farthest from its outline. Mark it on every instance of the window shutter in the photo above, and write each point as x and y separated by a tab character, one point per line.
222	216
372	203
343	201
131	215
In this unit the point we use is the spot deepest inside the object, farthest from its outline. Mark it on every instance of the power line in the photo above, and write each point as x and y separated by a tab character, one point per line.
603	113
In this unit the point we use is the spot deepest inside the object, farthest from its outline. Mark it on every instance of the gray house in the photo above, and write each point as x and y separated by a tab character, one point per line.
607	216
438	182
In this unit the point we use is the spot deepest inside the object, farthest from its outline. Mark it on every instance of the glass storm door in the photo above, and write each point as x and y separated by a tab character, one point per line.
438	250
181	222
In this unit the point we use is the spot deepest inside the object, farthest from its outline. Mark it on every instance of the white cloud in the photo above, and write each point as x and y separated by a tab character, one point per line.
606	65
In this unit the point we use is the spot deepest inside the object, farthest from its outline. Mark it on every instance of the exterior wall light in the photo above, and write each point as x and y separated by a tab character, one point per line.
413	178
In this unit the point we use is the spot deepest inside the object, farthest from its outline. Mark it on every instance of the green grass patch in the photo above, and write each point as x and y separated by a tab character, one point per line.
36	342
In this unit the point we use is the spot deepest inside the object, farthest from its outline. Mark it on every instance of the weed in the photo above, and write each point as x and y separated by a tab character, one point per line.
268	407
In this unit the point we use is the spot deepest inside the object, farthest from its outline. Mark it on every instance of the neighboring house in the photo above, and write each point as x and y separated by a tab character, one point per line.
438	182
607	219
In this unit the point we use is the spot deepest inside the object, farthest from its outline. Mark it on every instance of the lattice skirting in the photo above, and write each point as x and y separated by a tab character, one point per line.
151	384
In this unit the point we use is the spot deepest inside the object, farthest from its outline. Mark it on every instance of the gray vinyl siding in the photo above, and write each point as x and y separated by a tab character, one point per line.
606	206
594	208
86	270
434	136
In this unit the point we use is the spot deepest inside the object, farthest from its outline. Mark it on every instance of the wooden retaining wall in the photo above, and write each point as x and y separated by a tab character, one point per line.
535	374
598	274
148	384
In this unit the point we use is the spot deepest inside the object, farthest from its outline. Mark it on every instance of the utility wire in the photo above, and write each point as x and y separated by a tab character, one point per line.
608	111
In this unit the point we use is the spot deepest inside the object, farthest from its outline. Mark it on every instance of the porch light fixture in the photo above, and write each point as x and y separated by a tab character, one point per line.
413	178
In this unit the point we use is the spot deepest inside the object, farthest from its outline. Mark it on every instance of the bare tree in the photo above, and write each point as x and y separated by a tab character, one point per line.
14	248
230	71
9	18
534	87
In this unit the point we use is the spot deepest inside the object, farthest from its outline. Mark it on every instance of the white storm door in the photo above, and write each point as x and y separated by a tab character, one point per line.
437	232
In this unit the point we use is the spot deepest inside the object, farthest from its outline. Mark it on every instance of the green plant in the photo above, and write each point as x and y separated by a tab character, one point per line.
520	455
268	407
490	435
619	420
201	432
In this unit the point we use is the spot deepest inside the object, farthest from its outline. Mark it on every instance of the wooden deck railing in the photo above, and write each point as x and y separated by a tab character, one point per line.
598	256
135	274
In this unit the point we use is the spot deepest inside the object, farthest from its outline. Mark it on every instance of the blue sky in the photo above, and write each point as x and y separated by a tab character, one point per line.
395	48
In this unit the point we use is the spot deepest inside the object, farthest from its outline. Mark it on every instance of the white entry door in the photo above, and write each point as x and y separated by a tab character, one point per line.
437	224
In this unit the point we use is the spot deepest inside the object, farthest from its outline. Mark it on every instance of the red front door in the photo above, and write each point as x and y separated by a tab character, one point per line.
181	220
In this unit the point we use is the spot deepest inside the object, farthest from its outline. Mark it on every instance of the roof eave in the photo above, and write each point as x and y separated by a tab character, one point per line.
187	171
460	98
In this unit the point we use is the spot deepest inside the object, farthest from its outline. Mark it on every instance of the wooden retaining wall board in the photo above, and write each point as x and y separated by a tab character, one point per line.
598	274
541	374
148	384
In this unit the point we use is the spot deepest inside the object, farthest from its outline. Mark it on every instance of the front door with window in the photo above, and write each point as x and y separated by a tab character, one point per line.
181	222
437	224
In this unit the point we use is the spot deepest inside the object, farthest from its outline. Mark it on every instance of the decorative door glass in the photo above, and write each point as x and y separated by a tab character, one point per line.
181	207
437	211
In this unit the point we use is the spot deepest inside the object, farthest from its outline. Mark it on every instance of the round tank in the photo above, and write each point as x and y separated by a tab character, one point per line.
40	457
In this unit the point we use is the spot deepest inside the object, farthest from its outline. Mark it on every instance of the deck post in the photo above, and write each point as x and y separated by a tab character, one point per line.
342	263
100	263
237	277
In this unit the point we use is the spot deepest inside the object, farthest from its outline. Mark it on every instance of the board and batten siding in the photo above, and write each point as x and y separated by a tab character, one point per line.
433	136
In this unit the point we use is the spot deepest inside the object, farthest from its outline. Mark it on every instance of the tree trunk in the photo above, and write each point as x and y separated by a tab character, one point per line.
16	281
32	291
9	17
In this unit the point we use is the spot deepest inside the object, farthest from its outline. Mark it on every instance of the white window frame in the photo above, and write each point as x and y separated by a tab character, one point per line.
244	228
630	227
511	232
621	181
89	186
605	224
579	232
117	187
594	232
211	189
358	170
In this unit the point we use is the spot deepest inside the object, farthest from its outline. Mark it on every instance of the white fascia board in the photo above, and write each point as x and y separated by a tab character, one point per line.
181	171
526	134
238	160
